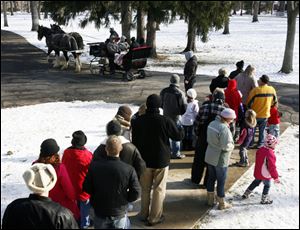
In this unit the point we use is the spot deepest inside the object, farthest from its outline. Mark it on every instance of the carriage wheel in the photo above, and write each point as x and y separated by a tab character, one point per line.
142	74
128	76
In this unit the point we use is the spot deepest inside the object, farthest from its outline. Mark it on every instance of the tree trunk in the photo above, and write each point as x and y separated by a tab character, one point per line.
34	15
140	31
292	12
126	18
280	13
39	9
11	8
4	14
28	6
259	6
191	34
241	6
255	11
226	26
151	34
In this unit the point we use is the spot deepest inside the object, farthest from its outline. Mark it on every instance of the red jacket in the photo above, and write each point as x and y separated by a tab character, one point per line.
233	97
265	164
77	162
63	191
274	118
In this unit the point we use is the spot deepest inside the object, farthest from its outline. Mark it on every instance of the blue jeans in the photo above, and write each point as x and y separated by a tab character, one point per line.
256	182
219	174
274	130
243	155
84	207
111	222
175	145
261	124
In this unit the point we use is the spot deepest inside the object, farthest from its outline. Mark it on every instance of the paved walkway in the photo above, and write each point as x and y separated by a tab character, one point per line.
26	79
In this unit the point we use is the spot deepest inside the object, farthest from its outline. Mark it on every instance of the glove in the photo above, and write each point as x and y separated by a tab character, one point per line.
277	181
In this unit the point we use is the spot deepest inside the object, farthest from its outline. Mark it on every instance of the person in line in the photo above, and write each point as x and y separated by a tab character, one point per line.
261	99
129	153
112	184
77	159
220	81
63	191
207	113
246	137
187	120
265	169
190	70
245	83
274	121
150	134
174	105
123	116
217	156
140	112
38	211
233	98
239	69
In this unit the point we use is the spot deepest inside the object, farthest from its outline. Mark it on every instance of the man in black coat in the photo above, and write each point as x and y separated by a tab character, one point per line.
38	211
219	82
112	184
239	69
190	70
129	154
150	134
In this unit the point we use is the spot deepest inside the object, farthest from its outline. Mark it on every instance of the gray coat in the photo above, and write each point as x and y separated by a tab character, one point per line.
220	143
245	84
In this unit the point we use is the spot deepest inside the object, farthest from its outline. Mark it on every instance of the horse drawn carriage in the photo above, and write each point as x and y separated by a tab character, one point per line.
132	65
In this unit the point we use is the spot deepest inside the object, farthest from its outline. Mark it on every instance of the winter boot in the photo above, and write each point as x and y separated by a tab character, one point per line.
211	199
246	194
265	199
222	204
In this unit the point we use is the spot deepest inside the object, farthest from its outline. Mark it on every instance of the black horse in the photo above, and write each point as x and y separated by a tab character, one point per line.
60	42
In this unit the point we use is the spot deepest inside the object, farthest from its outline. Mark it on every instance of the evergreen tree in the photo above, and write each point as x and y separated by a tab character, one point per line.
202	16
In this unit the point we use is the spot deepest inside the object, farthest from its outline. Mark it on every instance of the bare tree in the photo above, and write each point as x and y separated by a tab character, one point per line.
4	14
34	15
292	12
11	8
255	11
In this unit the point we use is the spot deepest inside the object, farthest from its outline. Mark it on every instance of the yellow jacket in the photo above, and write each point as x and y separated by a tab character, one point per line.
260	100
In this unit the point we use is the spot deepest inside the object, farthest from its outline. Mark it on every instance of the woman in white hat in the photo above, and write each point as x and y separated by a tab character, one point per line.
217	156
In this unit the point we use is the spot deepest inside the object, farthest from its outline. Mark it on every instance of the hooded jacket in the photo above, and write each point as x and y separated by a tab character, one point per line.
233	97
190	69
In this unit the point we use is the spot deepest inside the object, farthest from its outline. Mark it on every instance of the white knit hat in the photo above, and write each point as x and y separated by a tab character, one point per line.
40	178
228	113
191	93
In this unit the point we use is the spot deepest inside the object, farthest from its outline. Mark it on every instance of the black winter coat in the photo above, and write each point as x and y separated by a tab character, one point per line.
219	82
112	184
190	69
129	154
151	133
37	212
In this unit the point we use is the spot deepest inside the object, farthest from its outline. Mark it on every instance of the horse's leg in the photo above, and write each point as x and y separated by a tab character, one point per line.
77	62
48	54
56	62
66	64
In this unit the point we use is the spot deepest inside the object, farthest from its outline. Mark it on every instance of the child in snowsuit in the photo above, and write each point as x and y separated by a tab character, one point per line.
274	121
265	169
246	136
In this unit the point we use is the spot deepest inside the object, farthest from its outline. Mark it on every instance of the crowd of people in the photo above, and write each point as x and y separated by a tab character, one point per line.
133	161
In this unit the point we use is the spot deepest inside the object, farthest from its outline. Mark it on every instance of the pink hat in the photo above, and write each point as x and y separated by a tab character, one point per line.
270	141
228	113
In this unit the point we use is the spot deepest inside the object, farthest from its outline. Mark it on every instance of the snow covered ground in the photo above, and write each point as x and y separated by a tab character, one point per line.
261	44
